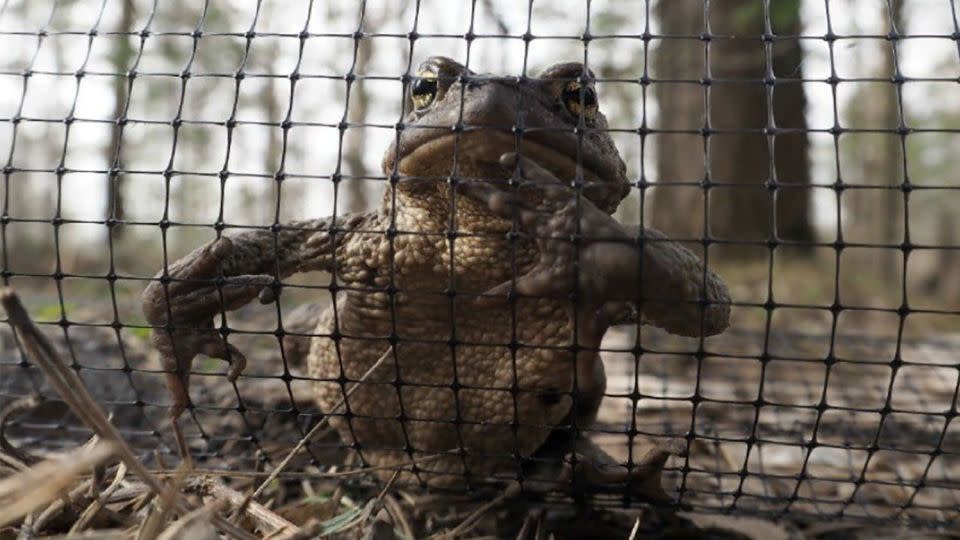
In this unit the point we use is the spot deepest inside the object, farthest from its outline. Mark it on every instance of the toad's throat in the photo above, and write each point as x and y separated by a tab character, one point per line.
466	153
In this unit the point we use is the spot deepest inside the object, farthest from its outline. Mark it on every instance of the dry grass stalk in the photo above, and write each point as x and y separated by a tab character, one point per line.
473	519
98	503
264	518
306	475
59	506
381	528
68	385
10	454
320	425
73	391
155	520
399	516
11	463
197	524
69	506
36	487
109	534
633	531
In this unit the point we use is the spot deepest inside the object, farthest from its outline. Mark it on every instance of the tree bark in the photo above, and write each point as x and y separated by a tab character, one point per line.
121	56
875	215
678	209
273	156
354	143
738	109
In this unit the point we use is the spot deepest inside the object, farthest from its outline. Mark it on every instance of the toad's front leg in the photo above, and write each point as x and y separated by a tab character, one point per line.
584	250
226	274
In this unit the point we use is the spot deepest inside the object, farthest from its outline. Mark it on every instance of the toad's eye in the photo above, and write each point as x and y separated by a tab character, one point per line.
579	98
423	91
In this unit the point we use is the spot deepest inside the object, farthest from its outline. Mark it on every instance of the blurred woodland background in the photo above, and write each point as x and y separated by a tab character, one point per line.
118	114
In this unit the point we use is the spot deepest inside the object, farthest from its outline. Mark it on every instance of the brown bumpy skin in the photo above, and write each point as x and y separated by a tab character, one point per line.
469	370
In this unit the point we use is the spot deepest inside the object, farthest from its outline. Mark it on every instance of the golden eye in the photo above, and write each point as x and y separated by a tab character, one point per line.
577	97
424	90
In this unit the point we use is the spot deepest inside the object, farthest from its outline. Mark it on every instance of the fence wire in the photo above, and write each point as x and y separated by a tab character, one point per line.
837	421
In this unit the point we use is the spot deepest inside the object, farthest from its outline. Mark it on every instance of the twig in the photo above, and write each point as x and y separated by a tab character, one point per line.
636	527
497	19
110	534
59	505
315	429
471	521
12	462
829	528
94	507
374	506
265	519
181	441
388	485
399	516
180	528
22	404
381	528
307	488
541	531
72	390
304	475
162	463
525	527
27	528
308	531
155	520
356	518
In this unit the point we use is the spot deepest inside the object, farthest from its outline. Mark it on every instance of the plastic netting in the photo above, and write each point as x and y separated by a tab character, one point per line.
820	406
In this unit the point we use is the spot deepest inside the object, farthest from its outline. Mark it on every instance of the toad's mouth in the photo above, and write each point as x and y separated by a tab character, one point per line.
475	153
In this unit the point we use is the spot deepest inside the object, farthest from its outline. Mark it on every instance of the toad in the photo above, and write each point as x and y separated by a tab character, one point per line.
469	307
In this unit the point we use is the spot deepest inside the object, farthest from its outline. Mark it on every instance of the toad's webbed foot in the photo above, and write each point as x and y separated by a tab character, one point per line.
593	471
585	469
181	307
584	249
226	274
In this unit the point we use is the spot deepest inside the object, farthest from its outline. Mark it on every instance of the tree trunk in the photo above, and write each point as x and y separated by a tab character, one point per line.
273	156
121	57
354	142
876	214
678	209
944	280
738	110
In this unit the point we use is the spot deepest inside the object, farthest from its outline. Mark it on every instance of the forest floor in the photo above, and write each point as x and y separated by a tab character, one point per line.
784	445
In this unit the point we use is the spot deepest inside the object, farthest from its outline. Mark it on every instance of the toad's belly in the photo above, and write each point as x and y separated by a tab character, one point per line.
443	386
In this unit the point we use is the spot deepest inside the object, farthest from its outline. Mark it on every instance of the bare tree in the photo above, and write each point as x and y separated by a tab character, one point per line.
120	58
876	215
354	143
355	148
738	108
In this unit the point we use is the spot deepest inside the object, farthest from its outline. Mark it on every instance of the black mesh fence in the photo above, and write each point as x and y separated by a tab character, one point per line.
134	132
